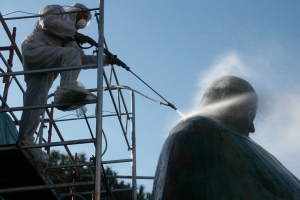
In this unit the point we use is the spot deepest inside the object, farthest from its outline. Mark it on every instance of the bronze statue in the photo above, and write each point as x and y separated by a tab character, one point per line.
210	156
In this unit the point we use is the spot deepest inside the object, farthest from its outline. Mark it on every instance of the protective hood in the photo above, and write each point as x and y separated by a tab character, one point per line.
80	7
76	7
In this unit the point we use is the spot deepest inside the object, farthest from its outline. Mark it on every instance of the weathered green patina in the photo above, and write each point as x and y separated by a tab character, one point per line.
202	159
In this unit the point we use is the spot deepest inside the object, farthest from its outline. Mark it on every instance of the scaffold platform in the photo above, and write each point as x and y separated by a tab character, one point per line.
17	172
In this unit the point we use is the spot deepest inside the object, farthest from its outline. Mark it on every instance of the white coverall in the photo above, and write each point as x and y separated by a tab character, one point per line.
42	49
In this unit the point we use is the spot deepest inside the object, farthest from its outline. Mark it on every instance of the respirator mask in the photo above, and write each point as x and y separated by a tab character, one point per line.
82	23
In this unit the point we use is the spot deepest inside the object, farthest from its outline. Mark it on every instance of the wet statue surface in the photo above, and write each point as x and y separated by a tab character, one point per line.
210	156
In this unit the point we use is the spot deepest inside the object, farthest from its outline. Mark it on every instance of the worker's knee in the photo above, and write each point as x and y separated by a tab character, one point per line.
72	52
71	57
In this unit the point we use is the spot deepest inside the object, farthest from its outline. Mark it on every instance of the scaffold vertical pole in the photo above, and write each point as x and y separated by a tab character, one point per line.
99	103
133	146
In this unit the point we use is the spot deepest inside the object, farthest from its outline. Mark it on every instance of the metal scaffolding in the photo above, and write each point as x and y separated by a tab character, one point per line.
124	113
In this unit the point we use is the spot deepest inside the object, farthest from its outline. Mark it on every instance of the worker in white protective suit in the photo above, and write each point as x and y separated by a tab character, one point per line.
43	49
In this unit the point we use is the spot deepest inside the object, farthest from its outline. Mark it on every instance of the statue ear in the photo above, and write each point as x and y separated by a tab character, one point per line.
251	127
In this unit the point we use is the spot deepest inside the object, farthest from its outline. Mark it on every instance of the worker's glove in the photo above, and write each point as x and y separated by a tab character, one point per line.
80	38
113	60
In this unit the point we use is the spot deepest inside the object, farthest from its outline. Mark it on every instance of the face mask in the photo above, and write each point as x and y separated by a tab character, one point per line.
81	24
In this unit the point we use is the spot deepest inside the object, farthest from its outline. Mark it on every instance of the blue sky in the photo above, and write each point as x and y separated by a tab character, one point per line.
178	48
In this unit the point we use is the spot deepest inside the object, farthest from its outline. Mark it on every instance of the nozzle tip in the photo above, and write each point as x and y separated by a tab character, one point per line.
172	106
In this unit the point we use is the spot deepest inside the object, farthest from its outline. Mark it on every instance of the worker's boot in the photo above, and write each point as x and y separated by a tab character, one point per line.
70	93
39	158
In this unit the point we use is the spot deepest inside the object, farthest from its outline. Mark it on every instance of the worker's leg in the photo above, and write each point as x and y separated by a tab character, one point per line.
72	58
38	85
36	94
54	57
70	90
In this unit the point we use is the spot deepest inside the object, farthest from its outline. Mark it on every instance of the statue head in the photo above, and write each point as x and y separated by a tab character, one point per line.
232	101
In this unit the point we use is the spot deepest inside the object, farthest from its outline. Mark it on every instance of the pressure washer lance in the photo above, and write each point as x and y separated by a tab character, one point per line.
106	52
121	63
95	44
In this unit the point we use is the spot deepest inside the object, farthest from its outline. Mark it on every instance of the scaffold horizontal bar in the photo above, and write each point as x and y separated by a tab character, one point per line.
42	187
70	142
88	66
88	163
35	16
5	48
117	161
47	106
118	190
70	166
102	191
77	118
124	176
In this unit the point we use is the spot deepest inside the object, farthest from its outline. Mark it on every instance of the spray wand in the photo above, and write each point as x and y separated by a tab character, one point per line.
106	52
121	63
